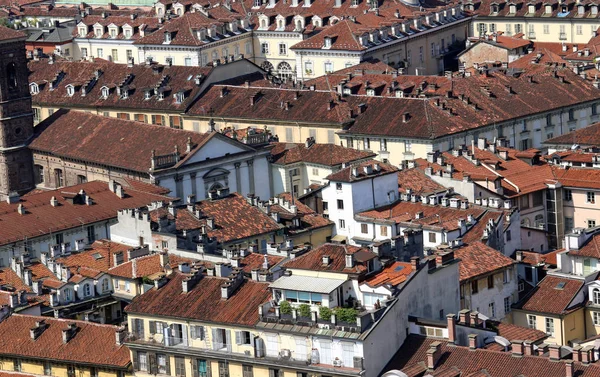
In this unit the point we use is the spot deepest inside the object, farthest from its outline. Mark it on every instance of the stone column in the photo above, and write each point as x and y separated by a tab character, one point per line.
238	178
251	175
193	180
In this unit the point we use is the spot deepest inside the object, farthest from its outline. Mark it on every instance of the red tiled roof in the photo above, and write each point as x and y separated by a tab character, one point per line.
309	219
99	258
346	174
93	343
145	266
235	219
204	301
591	248
514	332
343	37
89	135
575	177
587	136
479	362
433	216
41	218
7	34
549	297
255	261
394	274
416	181
322	154
476	232
478	259
534	259
313	260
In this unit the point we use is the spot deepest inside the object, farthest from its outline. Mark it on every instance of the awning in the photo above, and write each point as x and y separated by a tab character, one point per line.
307	284
338	238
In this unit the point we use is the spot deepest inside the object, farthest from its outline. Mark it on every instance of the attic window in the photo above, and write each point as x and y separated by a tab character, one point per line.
548	9
98	32
327	42
105	92
97	256
257	3
371	92
82	31
561	285
355	3
34	88
127	33
580	10
512	9
179	97
70	90
594	10
531	8
494	8
113	32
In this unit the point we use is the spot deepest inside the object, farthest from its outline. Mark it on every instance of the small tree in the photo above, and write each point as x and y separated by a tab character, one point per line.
347	315
325	313
285	307
304	310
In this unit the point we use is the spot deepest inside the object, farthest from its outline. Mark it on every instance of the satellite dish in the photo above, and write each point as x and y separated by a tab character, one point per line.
502	341
574	147
394	373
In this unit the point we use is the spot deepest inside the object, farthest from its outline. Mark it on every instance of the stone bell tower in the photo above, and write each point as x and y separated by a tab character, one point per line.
16	116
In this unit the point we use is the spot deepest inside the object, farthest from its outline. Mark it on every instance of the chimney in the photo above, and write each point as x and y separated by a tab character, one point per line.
451	318
414	263
577	353
164	259
517	348
542	349
569	368
554	352
464	317
433	354
120	334
69	332
472	341
474	316
528	348
39	328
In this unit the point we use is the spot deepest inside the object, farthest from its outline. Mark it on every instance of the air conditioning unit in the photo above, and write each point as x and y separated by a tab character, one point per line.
285	354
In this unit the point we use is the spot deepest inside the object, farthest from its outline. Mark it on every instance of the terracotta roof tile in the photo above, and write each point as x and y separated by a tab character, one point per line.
322	154
346	174
552	295
587	136
90	134
478	259
476	232
394	274
204	301
42	218
8	34
514	332
313	260
416	181
145	266
255	261
14	331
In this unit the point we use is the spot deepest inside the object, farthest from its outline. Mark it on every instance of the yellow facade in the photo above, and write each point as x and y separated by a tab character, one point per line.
55	369
566	30
566	327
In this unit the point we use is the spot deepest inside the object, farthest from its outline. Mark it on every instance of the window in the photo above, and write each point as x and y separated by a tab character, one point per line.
187	62
505	276
70	92
308	68
247	371
340	204
506	305
84	53
282	49
568	195
338	186
179	366
407	146
127	33
58	178
432	237
17	365
303	297
531	321
129	54
524	144
115	54
142	361
490	281
175	122
47	368
39	174
508	236
67	292
328	67
275	372
579	29
524	202
474	287
383	230
596	318
223	369
70	371
288	134
529	274
546	29
421	54
364	228
596	296
105	285
571	115
550	326
127	286
591	197
100	53
87	290
492	310
342	224
162	363
591	223
264	48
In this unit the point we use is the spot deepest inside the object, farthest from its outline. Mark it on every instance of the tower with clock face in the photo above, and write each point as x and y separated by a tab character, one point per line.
16	116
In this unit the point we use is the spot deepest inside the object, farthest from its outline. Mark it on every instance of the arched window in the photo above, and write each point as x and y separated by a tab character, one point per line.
87	290
596	296
216	186
284	70
525	222
34	88
263	24
539	221
11	76
267	66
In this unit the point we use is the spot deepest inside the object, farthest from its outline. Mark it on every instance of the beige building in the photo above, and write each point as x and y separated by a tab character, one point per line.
539	21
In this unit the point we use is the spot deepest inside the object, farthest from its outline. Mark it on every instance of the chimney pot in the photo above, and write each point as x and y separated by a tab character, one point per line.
472	341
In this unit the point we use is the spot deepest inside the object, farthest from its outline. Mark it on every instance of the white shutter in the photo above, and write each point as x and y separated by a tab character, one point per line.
193	332
300	352
348	354
238	337
325	352
215	339
228	339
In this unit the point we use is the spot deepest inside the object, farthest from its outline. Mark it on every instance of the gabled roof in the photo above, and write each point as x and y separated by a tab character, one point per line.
7	34
553	295
321	154
416	181
203	302
17	342
91	138
378	169
313	260
477	259
587	136
42	218
591	248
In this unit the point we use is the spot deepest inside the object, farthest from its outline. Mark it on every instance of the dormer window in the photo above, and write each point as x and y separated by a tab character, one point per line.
347	91
113	33
564	9
374	37
147	94
105	92
257	3
179	97
127	33
370	92
355	3
531	8
580	10
364	40
399	93
82	32
384	34
512	9
98	32
124	92
167	37
70	90
34	88
327	41
161	95
594	10
316	21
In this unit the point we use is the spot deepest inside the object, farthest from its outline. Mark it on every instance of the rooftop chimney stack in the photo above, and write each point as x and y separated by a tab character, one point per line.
472	341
